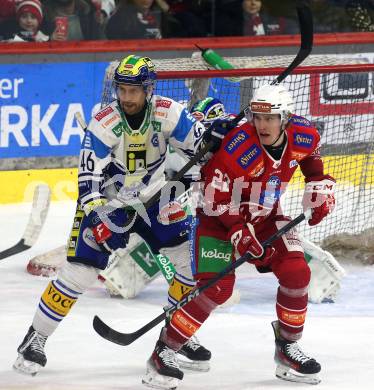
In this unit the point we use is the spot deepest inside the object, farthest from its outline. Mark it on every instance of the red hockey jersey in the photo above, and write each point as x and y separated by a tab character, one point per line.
243	183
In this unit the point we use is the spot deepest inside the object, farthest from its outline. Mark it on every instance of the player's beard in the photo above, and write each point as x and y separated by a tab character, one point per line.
131	108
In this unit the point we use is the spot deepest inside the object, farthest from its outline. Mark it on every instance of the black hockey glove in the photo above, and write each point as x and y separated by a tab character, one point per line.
216	132
108	227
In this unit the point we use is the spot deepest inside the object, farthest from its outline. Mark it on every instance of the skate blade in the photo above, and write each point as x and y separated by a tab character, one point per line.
194	365
156	381
287	374
25	366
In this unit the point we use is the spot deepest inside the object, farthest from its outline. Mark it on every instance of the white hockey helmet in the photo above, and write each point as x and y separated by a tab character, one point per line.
271	99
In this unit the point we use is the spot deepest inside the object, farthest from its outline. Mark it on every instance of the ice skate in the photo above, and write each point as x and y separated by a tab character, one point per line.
194	356
31	354
292	363
162	368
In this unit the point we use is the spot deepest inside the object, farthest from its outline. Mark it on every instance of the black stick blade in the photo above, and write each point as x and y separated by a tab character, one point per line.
110	334
15	249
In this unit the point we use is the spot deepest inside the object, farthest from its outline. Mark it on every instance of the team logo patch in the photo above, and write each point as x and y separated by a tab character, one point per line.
136	160
103	113
261	107
274	181
300	121
249	156
269	198
236	141
303	140
118	130
163	103
156	126
155	140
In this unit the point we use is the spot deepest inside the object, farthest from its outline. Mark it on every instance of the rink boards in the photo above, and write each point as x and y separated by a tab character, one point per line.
18	186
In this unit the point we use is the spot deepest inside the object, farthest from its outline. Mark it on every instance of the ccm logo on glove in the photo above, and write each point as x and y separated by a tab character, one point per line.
319	197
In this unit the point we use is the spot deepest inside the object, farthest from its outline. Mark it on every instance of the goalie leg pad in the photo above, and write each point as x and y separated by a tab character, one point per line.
129	270
326	273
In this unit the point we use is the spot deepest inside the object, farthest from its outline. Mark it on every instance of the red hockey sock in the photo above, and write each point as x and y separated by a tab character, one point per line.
187	320
292	297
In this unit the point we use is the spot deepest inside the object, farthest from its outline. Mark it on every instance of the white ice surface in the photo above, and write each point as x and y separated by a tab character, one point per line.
339	335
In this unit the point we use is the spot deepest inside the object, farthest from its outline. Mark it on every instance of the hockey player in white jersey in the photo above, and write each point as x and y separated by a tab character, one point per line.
121	165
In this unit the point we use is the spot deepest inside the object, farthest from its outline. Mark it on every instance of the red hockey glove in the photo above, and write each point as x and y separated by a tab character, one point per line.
105	224
171	213
319	197
244	240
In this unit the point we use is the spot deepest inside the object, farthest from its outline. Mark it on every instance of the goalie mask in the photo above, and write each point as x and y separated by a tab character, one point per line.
271	99
208	110
135	70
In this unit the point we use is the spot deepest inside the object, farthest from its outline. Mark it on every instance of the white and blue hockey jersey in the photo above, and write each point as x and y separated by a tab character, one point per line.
116	158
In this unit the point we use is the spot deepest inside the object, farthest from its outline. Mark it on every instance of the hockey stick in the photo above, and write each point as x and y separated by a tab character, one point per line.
39	210
116	337
305	19
40	206
80	120
306	31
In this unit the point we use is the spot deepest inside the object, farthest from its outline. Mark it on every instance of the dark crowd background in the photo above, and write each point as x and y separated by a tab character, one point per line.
69	20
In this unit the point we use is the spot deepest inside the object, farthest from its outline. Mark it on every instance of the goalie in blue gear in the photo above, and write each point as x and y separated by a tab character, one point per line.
209	110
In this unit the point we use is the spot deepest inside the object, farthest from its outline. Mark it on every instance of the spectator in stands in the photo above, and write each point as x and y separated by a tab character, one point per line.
104	9
329	17
22	21
257	22
29	16
135	19
185	18
7	19
361	14
7	10
68	20
251	17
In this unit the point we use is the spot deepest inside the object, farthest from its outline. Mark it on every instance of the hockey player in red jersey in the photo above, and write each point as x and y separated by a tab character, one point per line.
243	182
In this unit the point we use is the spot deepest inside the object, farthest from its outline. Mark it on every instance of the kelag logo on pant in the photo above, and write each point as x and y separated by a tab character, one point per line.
214	254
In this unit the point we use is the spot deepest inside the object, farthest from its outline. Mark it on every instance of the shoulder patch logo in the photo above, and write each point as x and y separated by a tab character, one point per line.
154	140
163	103
300	121
103	113
249	156
303	140
156	126
111	120
118	130
236	141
